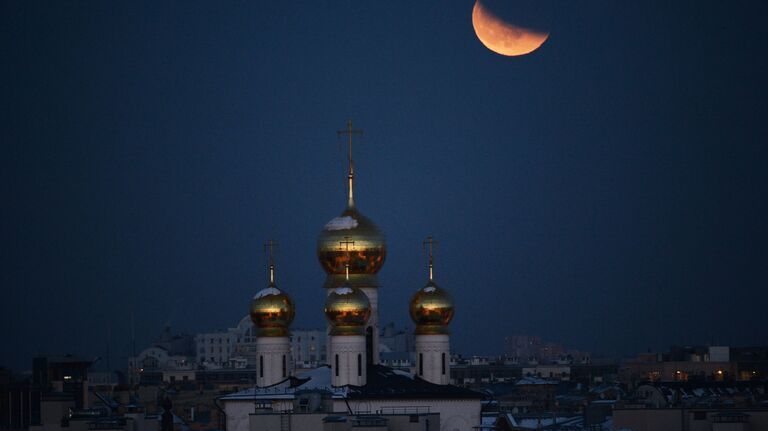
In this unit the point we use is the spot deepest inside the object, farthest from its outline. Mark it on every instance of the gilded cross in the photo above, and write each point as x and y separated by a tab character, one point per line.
428	244
269	248
350	132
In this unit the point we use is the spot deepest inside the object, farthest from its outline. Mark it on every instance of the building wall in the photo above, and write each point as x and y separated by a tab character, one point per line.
274	363
684	420
719	354
455	415
348	360
648	419
272	422
52	411
314	421
237	414
433	353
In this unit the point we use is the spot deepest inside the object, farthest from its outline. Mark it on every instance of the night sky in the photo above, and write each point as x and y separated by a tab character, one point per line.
607	191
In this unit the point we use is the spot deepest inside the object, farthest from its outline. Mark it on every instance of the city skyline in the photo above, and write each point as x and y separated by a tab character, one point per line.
606	191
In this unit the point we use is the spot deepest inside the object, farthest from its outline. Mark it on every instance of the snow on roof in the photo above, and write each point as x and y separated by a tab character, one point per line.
383	383
341	223
403	373
267	292
429	289
534	381
488	420
315	379
546	421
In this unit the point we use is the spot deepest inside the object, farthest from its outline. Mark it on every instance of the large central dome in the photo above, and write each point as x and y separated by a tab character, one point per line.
350	248
365	242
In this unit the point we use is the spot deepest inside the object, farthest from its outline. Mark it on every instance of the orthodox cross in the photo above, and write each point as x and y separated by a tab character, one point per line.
428	244
346	243
269	248
350	132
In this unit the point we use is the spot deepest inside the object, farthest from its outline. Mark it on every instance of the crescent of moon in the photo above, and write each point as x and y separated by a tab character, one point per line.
501	37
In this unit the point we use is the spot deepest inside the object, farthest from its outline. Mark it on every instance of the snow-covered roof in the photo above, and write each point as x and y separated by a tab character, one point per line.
547	421
534	381
309	380
383	382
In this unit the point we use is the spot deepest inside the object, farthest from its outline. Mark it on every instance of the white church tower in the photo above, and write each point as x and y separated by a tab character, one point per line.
351	249
432	310
347	309
272	312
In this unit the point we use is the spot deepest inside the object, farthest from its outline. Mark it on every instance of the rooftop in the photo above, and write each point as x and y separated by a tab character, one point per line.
383	383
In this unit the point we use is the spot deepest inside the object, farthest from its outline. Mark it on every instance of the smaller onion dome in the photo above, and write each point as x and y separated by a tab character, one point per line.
431	309
347	310
272	312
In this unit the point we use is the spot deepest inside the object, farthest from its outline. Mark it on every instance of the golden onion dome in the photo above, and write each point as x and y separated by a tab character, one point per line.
431	309
347	310
272	312
364	246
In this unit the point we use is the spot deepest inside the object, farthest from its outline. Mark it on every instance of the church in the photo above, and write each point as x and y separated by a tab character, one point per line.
353	390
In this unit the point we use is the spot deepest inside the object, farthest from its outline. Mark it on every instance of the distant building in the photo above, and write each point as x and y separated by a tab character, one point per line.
169	352
695	405
56	394
560	372
215	349
697	363
527	349
694	419
66	376
390	400
393	339
308	347
399	360
231	348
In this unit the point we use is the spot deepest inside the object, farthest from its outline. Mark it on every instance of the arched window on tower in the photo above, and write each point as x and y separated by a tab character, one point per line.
442	362
337	365
369	345
285	366
261	366
421	364
359	365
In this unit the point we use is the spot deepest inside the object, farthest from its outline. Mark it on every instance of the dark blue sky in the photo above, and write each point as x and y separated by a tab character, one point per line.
607	191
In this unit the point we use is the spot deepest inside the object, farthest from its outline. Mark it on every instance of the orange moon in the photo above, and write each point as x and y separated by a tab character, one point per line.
504	38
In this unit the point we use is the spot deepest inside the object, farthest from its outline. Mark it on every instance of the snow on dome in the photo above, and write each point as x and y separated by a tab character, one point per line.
343	290
267	292
341	223
430	289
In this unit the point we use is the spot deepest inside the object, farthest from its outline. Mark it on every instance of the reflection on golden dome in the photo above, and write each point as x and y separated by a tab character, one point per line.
367	247
347	309
272	312
431	309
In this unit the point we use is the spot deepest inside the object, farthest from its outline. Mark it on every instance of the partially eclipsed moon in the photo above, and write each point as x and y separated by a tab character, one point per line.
502	37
